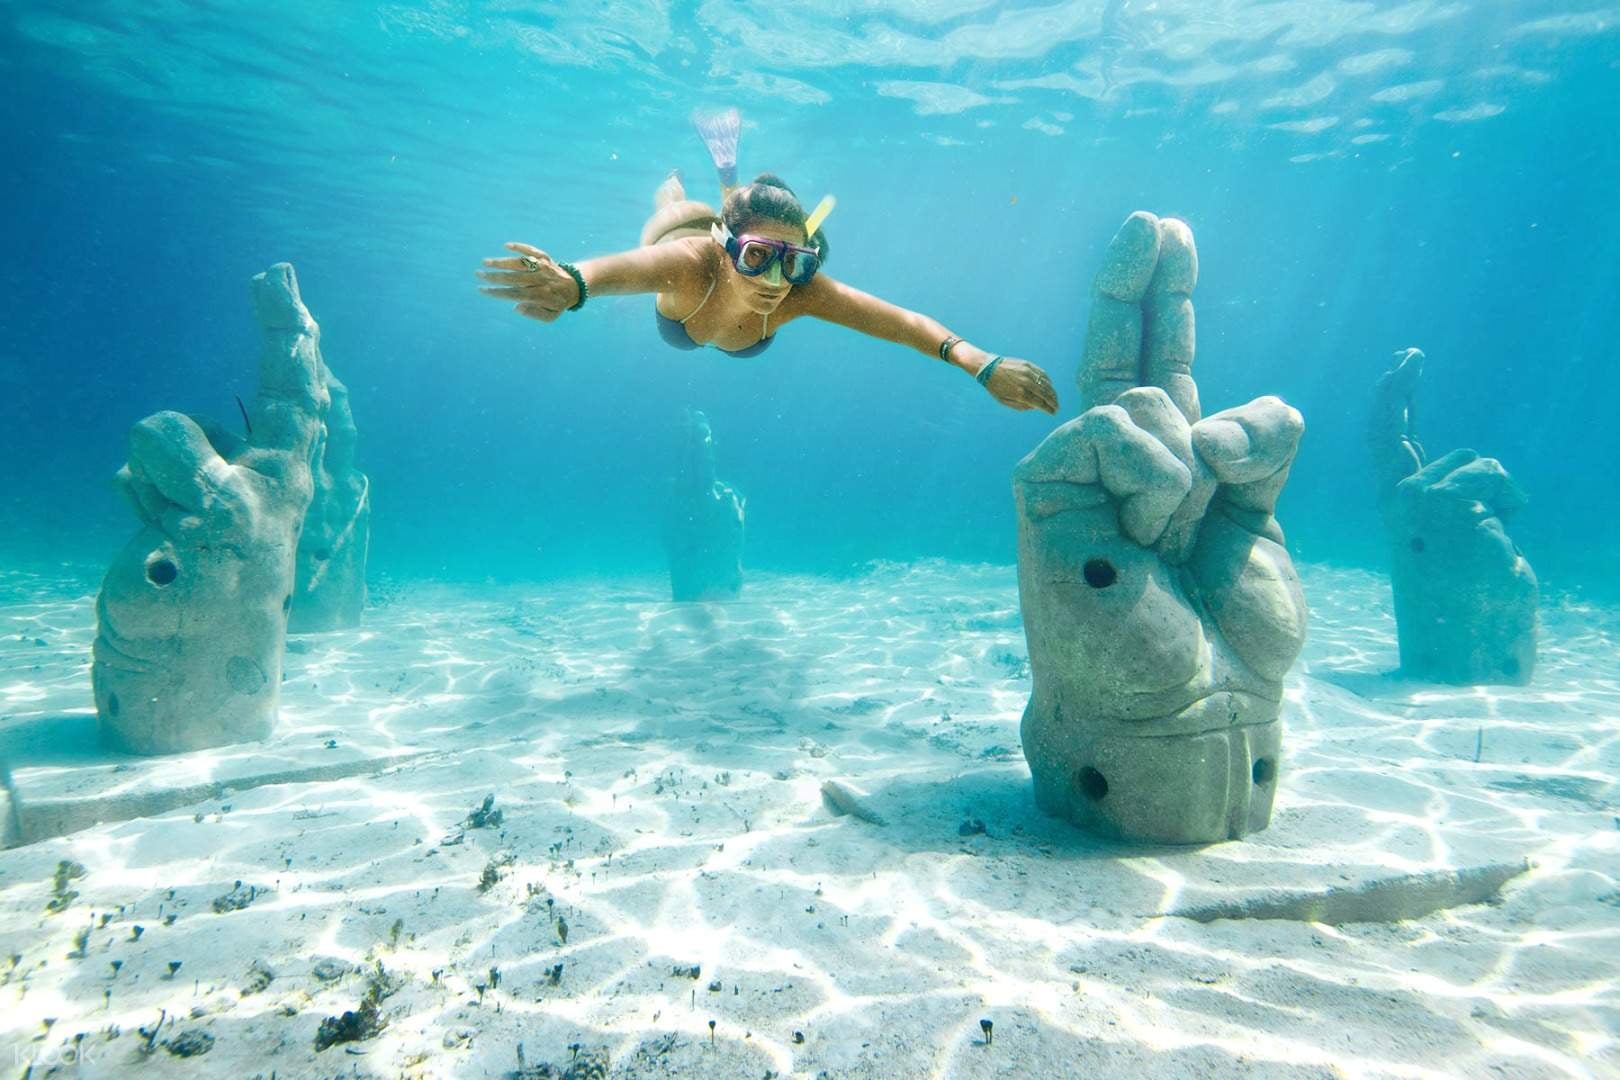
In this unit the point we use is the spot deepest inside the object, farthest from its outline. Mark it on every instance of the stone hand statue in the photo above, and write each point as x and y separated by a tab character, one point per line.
330	588
1161	607
192	616
1465	596
704	531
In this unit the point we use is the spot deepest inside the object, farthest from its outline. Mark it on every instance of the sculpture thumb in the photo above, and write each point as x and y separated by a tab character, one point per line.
293	398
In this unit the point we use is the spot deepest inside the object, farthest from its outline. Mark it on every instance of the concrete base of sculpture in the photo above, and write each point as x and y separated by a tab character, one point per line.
704	531
1160	604
60	781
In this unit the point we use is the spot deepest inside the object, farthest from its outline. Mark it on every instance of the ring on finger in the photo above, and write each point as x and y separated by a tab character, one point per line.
530	263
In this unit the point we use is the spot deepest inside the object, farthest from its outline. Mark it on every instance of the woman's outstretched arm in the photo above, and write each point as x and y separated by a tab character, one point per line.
542	289
1017	384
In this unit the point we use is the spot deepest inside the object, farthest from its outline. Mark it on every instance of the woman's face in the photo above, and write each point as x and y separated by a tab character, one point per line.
761	296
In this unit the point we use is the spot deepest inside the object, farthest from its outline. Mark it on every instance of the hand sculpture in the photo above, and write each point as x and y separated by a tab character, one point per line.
1161	608
192	616
704	533
331	580
1465	597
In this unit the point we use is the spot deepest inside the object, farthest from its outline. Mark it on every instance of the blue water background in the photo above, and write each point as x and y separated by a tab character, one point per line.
159	154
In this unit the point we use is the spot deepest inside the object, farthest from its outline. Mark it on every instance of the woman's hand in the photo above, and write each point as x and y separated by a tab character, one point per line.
543	290
1019	384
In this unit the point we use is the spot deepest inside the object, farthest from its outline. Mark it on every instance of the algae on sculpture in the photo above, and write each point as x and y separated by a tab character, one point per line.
1465	596
192	616
1161	607
330	588
704	532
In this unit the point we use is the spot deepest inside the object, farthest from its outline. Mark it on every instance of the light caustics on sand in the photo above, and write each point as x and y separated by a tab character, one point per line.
660	776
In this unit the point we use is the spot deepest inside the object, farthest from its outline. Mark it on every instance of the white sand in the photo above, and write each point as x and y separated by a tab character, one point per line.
659	769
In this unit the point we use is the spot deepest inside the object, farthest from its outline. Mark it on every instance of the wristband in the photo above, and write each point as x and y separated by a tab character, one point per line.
983	377
579	279
946	346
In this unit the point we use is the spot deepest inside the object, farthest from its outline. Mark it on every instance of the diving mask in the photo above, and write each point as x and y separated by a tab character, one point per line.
774	260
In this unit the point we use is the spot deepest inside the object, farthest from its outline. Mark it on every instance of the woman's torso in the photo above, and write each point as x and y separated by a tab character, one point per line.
702	311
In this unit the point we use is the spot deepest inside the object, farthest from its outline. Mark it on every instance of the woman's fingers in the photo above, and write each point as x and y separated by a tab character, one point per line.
508	292
528	249
514	278
538	311
1020	385
507	263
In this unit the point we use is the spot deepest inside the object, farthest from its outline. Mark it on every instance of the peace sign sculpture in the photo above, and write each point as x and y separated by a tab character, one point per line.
1161	608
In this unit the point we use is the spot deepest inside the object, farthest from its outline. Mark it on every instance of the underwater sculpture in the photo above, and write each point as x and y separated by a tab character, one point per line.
1160	605
192	616
330	585
1465	597
704	531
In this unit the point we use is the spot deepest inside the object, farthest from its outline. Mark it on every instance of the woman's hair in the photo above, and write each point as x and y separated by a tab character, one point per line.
768	198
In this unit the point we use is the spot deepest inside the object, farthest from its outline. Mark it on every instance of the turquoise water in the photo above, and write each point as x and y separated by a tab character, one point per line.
526	759
1360	177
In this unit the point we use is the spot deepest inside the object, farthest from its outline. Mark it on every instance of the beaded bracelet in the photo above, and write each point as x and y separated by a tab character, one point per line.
579	279
983	377
946	346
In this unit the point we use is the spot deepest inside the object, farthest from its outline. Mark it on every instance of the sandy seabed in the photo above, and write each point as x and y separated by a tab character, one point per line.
667	893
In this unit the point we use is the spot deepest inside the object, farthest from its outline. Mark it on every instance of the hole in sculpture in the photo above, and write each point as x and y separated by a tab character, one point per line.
1417	545
1264	770
161	570
1092	783
286	605
323	555
113	708
1100	573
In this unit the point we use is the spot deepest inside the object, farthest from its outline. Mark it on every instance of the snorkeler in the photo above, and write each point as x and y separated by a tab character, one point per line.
733	279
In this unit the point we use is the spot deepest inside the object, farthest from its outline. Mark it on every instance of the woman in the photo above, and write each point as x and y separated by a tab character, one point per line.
734	280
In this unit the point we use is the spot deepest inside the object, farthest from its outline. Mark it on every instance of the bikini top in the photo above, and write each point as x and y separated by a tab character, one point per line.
674	330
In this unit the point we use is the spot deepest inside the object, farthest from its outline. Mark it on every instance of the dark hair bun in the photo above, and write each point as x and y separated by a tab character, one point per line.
772	180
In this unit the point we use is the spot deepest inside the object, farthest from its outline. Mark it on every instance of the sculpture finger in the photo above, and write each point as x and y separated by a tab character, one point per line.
292	389
143	496
1169	332
171	457
1112	360
1152	410
1435	472
1406	373
1101	455
1483	480
1391	426
1249	449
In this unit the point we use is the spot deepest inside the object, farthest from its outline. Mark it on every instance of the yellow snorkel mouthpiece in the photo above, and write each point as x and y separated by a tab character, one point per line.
818	215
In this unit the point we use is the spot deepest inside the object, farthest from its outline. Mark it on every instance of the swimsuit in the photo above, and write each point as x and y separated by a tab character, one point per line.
674	330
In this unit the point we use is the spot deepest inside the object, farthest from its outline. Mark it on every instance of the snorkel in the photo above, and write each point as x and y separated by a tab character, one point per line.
823	208
774	262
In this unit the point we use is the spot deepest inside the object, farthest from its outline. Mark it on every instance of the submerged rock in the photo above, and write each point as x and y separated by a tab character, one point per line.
843	801
1160	605
190	1043
1409	896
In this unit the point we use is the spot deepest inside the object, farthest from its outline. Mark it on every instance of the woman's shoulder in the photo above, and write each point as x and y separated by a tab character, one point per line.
693	264
695	256
698	250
